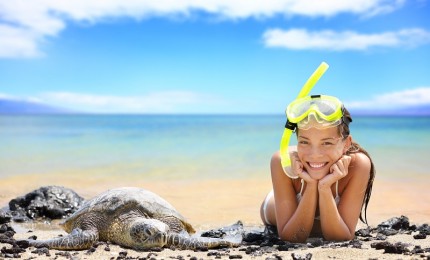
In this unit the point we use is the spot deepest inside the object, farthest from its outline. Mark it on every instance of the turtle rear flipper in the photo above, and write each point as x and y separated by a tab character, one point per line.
77	240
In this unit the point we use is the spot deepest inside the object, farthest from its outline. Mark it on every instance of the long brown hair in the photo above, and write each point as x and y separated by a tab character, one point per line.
356	148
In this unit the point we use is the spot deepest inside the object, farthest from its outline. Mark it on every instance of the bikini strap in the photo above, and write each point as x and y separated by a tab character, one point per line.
337	189
303	185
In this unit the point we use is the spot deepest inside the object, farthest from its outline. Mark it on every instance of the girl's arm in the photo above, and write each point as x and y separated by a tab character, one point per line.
339	222
294	221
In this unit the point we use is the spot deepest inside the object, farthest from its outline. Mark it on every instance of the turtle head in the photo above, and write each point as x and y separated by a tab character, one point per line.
148	233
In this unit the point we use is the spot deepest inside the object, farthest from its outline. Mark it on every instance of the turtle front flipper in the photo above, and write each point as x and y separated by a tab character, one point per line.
77	240
184	241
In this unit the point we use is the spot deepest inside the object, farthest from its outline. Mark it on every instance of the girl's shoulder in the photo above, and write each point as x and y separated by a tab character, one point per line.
360	164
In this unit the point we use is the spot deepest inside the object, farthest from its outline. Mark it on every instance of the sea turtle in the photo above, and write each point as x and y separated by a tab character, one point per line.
130	217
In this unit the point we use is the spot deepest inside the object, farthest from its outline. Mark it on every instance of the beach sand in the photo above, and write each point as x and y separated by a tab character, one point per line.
208	204
116	252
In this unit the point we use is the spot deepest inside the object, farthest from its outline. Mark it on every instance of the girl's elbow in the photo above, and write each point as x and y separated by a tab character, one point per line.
346	237
293	238
351	236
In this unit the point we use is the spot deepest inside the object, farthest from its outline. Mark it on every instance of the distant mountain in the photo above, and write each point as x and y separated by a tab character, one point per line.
10	106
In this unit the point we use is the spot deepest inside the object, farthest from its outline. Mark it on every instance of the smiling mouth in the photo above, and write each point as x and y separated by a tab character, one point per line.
317	165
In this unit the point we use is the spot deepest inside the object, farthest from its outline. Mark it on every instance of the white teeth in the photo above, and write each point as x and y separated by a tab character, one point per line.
316	165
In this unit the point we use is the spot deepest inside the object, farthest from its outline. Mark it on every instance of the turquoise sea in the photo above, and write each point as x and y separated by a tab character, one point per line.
189	146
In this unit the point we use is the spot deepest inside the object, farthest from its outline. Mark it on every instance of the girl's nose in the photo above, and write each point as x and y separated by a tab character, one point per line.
315	151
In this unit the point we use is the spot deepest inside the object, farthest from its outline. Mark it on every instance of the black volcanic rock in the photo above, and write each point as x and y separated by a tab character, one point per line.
5	216
51	202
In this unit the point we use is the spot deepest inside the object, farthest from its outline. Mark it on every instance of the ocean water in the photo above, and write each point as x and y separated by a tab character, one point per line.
188	146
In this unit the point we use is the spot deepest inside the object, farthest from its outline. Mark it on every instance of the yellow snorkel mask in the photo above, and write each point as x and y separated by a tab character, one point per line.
299	110
318	111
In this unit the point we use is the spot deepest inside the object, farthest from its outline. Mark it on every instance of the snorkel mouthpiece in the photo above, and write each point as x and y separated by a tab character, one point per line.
289	127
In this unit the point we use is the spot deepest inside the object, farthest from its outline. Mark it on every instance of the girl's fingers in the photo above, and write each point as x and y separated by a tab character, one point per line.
345	163
297	165
334	168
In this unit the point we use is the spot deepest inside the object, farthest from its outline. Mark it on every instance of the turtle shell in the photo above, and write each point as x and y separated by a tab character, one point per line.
114	202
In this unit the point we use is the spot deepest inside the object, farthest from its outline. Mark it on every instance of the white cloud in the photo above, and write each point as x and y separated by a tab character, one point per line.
333	7
15	98
5	96
24	24
409	97
301	39
156	102
17	42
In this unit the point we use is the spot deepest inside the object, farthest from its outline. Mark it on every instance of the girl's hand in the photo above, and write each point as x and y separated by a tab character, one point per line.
337	171
298	168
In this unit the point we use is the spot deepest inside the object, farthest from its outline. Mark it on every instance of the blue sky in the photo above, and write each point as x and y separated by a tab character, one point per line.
189	56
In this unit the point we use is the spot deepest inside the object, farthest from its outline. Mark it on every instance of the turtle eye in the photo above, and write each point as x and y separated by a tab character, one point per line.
149	230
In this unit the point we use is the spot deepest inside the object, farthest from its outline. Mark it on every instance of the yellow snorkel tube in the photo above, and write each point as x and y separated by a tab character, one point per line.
289	127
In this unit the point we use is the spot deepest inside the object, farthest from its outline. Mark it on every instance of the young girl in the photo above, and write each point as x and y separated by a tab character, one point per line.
335	178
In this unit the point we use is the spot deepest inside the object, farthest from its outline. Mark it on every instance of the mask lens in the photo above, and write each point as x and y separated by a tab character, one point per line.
315	121
326	107
299	109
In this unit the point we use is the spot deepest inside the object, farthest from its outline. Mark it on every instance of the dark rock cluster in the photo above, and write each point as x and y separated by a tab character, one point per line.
394	226
49	202
257	243
6	237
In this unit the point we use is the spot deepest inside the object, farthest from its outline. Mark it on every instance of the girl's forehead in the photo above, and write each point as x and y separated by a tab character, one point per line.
314	133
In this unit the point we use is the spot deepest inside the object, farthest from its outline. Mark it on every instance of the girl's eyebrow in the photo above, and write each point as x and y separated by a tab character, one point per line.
324	139
329	138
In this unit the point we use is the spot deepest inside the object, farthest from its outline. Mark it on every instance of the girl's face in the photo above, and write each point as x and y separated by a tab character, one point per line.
319	149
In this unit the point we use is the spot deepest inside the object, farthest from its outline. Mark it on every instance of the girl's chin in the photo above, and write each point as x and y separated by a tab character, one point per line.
317	174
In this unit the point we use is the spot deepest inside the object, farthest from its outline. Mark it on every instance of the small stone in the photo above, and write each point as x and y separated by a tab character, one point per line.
41	251
389	232
123	254
296	256
253	236
91	250
397	248
64	254
396	223
420	236
5	217
425	228
418	250
364	232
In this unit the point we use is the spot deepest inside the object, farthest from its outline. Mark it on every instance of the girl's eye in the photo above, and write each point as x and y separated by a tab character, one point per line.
303	142
327	143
